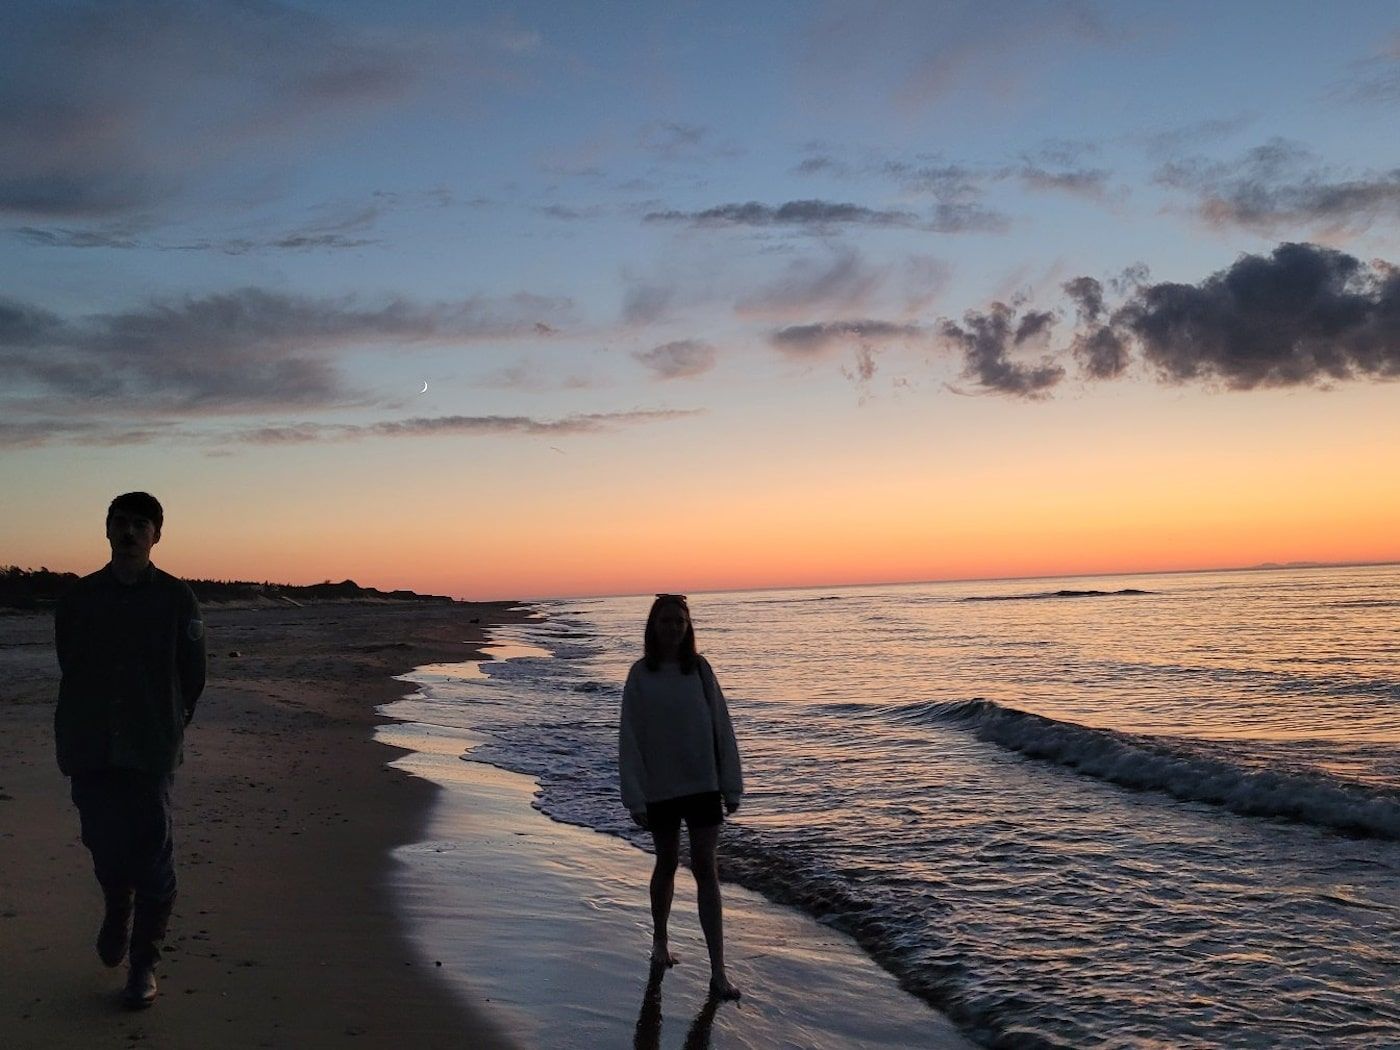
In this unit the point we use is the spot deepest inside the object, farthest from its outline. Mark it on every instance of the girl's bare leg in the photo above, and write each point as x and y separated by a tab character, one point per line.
704	862
663	888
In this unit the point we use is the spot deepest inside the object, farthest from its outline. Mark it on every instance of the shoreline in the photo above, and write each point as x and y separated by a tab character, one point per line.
565	911
285	933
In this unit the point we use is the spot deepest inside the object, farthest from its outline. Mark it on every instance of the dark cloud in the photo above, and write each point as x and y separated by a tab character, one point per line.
1304	314
244	349
1102	351
678	360
842	282
1301	315
1087	296
1282	184
107	108
810	340
987	340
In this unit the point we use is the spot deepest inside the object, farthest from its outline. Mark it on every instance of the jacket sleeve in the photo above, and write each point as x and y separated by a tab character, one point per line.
631	765
63	634
190	654
731	774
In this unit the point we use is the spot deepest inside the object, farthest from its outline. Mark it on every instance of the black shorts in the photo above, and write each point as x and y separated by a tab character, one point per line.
705	810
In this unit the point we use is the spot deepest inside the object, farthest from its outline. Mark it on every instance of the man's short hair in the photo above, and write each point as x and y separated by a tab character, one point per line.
140	504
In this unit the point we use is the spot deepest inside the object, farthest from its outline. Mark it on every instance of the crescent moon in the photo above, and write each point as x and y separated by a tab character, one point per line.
425	387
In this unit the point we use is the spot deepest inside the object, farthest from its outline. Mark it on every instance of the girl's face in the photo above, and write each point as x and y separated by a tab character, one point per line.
671	623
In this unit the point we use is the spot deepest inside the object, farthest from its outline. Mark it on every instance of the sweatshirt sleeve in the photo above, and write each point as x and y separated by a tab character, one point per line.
731	774
631	767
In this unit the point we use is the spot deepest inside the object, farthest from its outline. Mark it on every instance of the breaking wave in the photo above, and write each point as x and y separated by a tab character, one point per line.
1146	763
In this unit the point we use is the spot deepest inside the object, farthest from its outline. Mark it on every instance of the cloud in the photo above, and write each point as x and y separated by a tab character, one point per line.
1282	184
1304	314
109	108
822	216
1091	183
250	348
812	340
1377	78
52	431
919	53
646	303
682	359
814	213
843	282
460	426
1171	142
988	339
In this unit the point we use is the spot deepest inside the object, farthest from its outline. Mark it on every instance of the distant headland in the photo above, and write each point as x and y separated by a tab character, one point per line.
41	588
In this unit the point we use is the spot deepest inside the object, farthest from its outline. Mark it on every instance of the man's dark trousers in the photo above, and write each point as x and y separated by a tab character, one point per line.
127	827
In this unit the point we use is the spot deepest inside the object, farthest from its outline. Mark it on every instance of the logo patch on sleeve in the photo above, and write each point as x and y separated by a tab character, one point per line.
195	630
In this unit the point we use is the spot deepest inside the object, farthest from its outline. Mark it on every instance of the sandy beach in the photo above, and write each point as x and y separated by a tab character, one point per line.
285	933
350	881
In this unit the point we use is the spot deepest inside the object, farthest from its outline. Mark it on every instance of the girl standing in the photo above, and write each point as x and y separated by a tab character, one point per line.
678	761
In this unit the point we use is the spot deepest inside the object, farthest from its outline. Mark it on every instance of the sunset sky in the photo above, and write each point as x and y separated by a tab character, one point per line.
704	295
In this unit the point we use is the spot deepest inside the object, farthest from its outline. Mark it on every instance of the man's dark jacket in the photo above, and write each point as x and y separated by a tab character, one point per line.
133	663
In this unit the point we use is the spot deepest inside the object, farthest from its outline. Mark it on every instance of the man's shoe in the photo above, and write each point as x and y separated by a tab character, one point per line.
140	990
114	937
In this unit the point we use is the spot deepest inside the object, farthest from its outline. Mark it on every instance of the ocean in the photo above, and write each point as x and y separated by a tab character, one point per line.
1132	811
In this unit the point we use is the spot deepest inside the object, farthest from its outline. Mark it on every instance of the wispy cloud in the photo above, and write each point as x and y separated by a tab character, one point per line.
1375	79
91	127
919	53
821	216
245	349
681	359
40	432
1281	184
817	214
842	282
812	340
460	426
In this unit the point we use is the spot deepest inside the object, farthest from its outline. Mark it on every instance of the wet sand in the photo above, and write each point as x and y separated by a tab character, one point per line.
565	913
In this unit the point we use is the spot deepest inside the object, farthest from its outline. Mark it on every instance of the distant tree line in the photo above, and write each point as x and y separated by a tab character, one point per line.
40	588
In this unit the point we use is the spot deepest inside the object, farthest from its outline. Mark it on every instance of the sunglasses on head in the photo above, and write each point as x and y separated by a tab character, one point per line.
672	598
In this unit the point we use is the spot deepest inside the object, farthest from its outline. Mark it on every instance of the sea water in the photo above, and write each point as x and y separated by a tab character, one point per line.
1152	811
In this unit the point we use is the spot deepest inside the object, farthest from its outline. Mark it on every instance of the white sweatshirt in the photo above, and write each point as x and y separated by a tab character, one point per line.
671	741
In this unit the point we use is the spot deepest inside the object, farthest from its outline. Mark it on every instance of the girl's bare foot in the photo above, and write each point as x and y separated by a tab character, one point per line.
661	955
721	988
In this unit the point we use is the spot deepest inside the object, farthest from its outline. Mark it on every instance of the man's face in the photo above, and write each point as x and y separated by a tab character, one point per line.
131	535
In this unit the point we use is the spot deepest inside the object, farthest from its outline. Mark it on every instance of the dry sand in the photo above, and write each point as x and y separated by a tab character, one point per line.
285	934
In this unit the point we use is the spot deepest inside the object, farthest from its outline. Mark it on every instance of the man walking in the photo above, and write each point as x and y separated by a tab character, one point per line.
131	650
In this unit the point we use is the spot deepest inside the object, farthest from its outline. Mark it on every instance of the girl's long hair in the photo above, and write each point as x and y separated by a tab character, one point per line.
651	645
